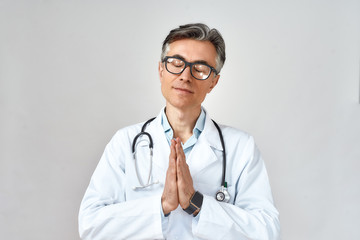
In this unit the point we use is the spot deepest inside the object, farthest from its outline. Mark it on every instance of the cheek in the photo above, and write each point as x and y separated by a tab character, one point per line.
165	85
207	88
166	79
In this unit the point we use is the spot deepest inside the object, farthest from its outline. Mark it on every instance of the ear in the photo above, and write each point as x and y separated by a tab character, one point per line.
161	71
214	81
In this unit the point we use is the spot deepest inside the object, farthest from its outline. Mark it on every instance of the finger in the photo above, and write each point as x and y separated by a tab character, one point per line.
180	155
172	159
182	167
172	149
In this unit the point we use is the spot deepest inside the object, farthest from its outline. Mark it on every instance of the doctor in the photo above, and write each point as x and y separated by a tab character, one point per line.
173	194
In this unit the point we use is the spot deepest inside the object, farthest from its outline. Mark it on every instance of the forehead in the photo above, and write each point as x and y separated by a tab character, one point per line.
193	50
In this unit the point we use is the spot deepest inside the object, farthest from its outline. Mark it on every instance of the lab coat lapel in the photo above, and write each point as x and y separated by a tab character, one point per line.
203	155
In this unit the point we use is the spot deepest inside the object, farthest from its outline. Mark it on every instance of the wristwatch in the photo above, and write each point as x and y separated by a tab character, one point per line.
195	203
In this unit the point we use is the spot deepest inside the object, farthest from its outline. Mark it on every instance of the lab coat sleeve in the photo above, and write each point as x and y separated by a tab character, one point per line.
105	213
251	215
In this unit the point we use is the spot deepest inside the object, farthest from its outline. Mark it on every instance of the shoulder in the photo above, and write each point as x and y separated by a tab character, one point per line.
233	137
129	129
122	139
238	141
236	134
127	132
132	130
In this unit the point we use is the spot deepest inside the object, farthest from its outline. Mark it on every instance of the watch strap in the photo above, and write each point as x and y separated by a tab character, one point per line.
195	203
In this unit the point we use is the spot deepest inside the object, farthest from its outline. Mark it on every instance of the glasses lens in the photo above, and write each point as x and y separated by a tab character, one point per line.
174	65
200	71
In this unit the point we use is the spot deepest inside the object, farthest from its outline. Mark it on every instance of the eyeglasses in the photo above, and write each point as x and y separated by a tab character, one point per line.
200	71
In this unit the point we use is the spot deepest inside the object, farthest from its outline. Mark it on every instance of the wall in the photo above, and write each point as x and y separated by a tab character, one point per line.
73	72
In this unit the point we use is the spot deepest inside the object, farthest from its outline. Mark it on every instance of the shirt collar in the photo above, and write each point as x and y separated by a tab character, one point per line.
199	125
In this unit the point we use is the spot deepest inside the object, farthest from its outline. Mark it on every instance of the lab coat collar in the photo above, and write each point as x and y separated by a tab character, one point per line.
202	154
211	134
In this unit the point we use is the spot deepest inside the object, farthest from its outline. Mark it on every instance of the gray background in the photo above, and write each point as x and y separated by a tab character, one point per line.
73	72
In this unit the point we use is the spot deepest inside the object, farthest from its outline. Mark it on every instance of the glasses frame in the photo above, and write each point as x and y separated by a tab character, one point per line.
189	64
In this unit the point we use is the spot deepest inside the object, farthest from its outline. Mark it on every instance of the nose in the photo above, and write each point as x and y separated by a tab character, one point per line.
186	74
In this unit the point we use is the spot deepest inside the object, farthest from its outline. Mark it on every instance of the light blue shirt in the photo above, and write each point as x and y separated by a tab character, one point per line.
189	144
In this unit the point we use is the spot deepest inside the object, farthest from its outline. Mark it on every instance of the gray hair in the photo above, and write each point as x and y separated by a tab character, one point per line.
197	31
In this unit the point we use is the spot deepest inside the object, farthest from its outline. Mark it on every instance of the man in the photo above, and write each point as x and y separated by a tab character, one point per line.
175	194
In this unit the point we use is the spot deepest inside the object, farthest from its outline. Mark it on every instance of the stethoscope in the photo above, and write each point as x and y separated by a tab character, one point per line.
222	195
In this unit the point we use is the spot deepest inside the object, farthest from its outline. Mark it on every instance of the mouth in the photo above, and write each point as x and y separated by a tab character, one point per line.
183	90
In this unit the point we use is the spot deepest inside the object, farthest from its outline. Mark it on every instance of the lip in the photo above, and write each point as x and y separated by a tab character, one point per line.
183	90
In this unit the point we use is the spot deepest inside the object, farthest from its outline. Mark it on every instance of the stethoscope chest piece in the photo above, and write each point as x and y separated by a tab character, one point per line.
223	195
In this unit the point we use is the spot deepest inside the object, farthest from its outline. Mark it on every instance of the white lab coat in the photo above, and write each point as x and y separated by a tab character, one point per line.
111	209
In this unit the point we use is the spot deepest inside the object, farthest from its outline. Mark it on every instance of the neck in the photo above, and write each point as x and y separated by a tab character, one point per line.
182	122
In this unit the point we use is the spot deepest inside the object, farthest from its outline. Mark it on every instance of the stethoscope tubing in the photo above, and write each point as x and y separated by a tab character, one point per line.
224	152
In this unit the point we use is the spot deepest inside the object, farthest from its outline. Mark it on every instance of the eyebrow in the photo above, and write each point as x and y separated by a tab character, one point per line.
182	58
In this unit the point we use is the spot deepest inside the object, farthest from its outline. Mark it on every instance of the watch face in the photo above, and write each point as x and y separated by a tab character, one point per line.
220	196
